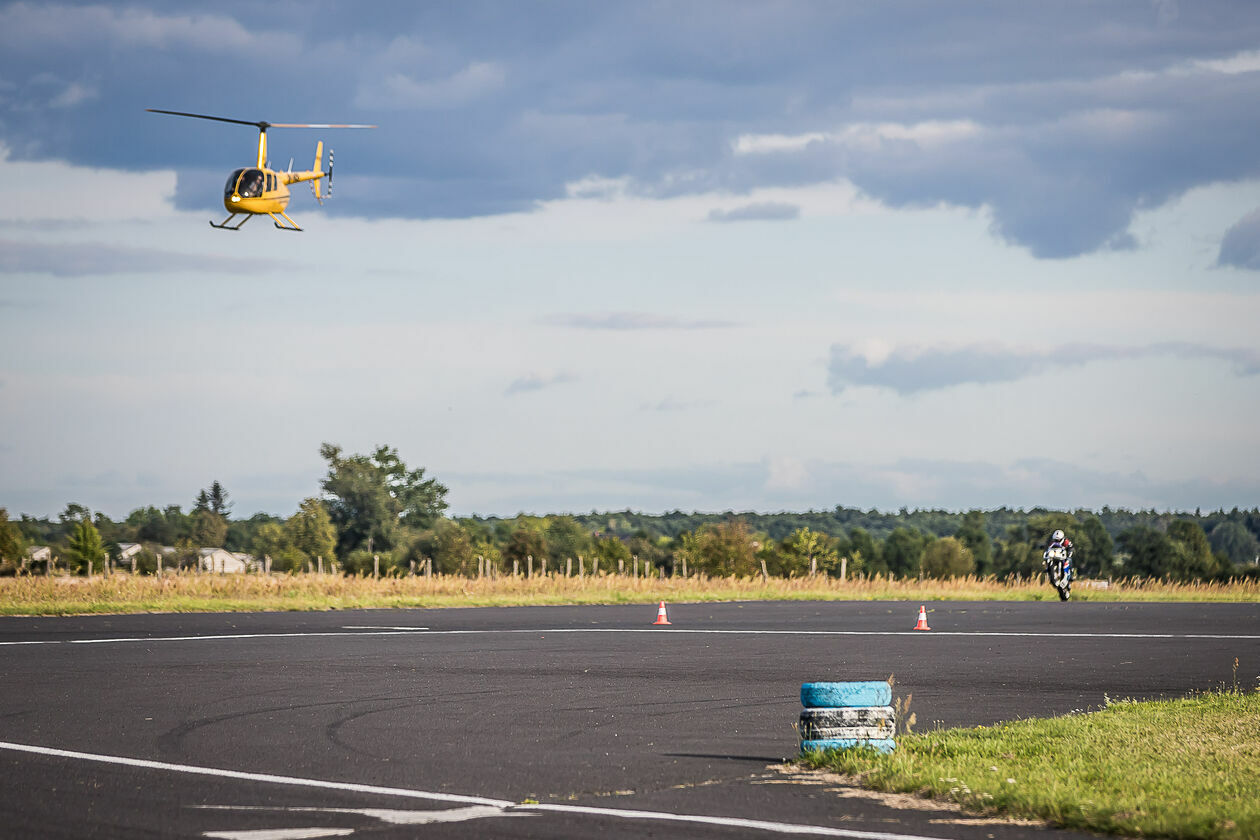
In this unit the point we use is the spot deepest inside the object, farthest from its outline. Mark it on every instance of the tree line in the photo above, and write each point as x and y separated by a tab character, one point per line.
373	511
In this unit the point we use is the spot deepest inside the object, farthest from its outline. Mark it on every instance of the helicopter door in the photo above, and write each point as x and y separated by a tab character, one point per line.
229	189
251	183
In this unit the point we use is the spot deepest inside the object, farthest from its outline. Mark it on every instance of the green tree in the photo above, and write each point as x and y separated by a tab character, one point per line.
863	553
1149	553
526	541
973	535
85	543
725	549
948	557
566	538
218	499
12	546
208	529
902	552
1095	552
610	551
805	547
1192	554
310	530
370	496
451	547
272	540
1234	541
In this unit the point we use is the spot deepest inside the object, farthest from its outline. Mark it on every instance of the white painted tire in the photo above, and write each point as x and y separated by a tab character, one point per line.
833	694
848	716
848	733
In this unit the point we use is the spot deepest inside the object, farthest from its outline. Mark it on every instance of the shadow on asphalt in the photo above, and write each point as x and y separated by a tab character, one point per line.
758	758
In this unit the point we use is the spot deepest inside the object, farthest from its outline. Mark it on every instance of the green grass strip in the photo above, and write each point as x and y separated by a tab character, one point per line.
1185	768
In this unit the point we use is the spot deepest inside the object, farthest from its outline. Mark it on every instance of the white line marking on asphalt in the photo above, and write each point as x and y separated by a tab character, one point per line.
613	813
423	631
212	637
390	816
279	833
915	633
378	627
270	778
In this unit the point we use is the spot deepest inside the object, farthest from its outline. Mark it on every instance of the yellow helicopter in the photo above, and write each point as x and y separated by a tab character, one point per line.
259	190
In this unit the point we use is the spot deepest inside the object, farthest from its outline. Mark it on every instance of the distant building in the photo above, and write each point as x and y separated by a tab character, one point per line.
221	560
37	554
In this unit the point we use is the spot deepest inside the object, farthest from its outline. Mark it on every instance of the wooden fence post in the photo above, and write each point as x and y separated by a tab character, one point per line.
684	559
636	566
411	567
813	565
844	567
89	568
581	569
319	559
568	567
765	576
516	567
529	565
376	566
621	566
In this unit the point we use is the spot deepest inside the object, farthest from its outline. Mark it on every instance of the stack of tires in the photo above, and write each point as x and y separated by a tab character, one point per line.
839	715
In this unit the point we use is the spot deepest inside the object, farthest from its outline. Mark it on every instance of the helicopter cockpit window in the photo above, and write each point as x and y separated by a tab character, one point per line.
251	183
230	187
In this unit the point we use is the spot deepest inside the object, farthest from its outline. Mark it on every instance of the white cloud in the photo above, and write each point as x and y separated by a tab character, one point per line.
763	211
59	191
859	134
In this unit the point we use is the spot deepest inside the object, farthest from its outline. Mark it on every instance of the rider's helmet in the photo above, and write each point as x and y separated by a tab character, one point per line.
1057	536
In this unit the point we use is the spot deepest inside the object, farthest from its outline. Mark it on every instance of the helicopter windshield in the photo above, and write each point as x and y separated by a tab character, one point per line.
247	183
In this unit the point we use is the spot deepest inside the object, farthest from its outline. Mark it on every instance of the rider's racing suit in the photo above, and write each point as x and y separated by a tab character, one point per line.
1068	570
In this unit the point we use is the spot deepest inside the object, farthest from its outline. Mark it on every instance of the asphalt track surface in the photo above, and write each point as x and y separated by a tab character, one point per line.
537	721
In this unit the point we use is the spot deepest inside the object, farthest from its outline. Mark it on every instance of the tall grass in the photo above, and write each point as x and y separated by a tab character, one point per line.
187	592
1186	768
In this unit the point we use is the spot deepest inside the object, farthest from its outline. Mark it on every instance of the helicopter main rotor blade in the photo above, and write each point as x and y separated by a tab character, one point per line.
260	124
316	125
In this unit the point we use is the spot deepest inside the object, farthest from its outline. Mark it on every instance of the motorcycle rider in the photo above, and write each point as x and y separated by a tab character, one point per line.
1059	540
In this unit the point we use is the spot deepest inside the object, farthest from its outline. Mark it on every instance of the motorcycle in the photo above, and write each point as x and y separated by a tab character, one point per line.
1057	570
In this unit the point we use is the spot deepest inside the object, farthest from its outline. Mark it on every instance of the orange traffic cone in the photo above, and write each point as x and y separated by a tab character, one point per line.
661	618
922	625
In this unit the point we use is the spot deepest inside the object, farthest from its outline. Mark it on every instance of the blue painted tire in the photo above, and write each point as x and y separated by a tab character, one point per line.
833	694
885	745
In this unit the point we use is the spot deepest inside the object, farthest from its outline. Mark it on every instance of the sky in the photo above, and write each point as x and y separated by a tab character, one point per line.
697	256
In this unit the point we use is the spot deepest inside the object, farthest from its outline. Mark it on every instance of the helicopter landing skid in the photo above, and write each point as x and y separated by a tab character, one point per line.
225	226
291	226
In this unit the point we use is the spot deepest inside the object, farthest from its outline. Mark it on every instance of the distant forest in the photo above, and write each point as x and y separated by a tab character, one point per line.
373	508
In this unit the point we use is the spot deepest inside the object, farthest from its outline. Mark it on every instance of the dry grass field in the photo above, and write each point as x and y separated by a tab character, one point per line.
123	593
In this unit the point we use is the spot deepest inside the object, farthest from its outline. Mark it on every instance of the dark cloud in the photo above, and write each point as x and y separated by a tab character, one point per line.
910	370
760	211
1085	112
629	321
84	260
1241	245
